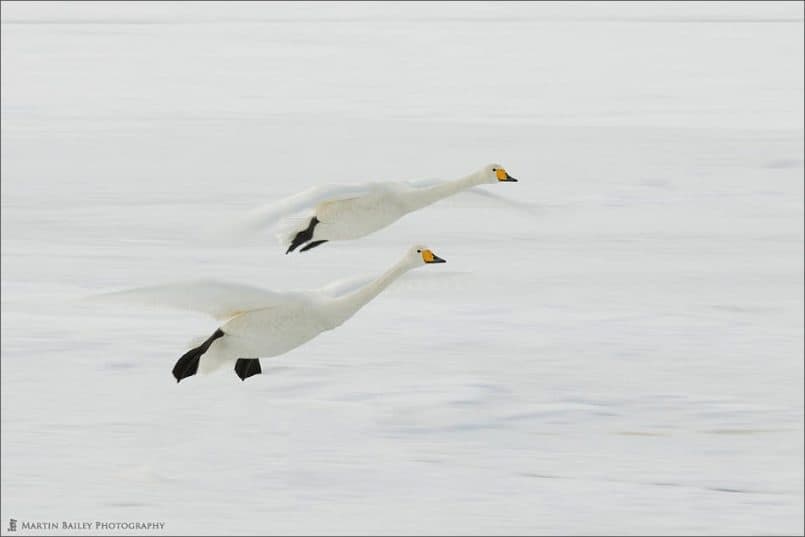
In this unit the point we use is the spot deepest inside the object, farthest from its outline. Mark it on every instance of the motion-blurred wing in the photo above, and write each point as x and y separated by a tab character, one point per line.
299	206
495	198
344	287
220	300
423	183
419	281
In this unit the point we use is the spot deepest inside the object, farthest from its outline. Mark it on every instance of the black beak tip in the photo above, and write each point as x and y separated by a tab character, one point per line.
437	259
510	179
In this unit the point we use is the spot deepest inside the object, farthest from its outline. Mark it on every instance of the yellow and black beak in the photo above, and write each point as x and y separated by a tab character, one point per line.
430	257
504	177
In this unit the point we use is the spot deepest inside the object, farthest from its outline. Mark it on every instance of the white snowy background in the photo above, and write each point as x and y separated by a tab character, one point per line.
627	357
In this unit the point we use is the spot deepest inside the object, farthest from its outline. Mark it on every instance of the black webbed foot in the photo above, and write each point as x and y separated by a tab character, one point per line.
303	236
310	245
187	365
246	367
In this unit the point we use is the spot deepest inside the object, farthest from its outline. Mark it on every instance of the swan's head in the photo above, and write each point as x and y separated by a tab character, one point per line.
422	255
495	173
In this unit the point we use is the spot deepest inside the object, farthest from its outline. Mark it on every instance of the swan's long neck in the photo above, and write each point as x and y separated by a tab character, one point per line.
422	197
346	306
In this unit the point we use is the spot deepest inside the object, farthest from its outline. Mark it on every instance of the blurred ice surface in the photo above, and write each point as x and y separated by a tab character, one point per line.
628	359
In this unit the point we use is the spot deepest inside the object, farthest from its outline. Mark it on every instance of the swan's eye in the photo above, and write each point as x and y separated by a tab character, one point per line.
419	251
494	169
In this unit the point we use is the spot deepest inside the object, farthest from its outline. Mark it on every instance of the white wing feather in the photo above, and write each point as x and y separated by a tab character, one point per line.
344	287
515	204
423	183
300	205
221	300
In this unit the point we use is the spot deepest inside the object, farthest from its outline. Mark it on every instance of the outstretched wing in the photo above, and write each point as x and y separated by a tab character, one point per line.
496	198
300	206
423	183
423	282
344	287
220	300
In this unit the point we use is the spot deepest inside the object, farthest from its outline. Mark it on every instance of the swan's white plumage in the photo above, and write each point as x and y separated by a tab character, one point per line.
259	323
347	212
223	300
299	205
343	287
220	300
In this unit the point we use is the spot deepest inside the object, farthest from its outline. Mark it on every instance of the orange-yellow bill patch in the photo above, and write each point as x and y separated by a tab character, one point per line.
501	173
427	256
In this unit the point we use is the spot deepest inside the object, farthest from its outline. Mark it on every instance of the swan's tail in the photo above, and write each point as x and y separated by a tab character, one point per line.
187	365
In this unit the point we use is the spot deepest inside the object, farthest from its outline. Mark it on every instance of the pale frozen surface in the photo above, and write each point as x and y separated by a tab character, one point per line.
626	358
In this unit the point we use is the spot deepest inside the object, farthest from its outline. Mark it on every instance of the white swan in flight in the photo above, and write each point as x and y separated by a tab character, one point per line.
260	323
346	212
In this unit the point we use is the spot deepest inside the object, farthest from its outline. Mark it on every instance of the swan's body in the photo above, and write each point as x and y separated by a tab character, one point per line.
337	213
261	324
352	218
